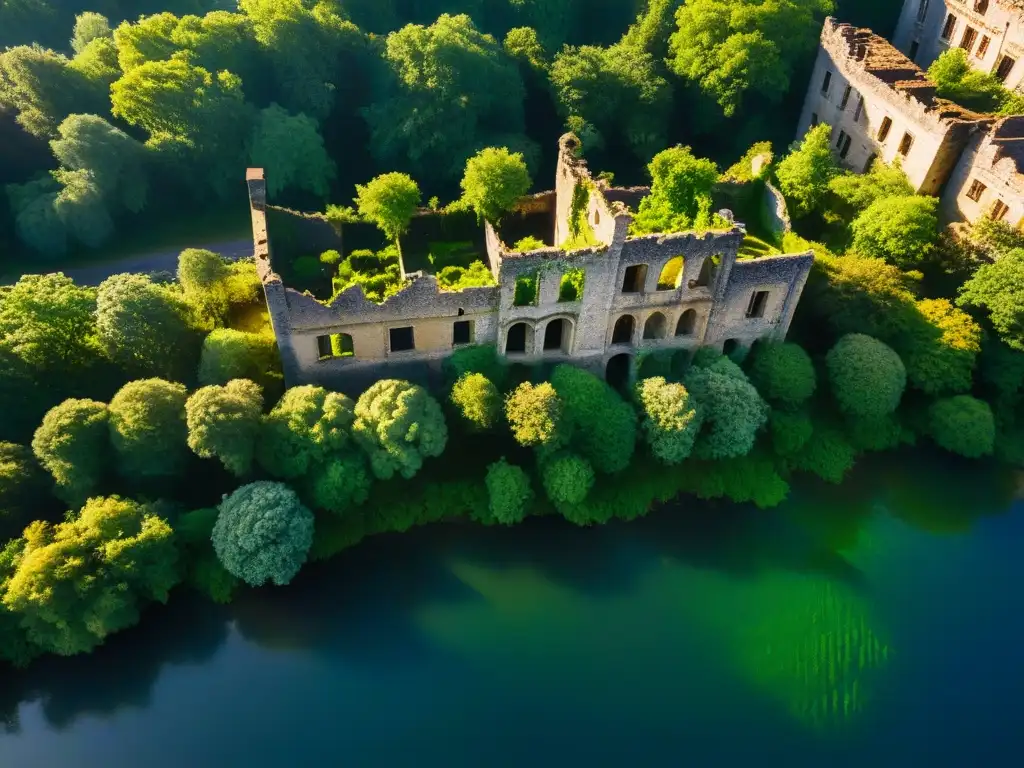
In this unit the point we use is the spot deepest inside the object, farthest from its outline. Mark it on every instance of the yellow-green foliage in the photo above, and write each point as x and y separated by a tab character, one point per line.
477	275
526	291
571	287
581	234
743	170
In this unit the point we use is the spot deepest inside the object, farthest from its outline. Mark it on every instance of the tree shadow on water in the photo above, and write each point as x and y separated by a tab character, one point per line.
121	673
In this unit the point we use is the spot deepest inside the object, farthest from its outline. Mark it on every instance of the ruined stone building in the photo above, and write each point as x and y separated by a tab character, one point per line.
990	31
881	105
663	292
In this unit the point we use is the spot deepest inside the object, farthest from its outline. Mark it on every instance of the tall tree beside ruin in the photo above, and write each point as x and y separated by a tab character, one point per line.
389	201
494	181
292	150
731	48
805	173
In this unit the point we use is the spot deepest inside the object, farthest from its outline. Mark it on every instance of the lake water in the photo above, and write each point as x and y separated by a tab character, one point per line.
879	623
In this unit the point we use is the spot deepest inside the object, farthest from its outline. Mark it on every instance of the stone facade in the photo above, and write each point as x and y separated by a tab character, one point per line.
989	179
623	310
990	31
881	105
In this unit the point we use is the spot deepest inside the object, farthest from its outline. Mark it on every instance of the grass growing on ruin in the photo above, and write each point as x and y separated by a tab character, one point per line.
571	287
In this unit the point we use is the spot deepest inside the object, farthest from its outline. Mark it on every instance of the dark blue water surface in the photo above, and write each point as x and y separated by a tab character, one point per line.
880	623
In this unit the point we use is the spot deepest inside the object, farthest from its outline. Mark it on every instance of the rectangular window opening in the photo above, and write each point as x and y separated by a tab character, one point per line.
922	10
906	143
462	332
814	119
976	191
999	210
883	132
1005	67
844	150
526	291
983	47
948	27
758	302
846	97
914	48
967	41
860	109
401	339
635	279
826	84
842	138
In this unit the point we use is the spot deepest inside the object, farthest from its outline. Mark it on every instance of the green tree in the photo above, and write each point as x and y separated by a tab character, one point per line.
963	425
145	327
508	491
494	181
225	422
306	44
202	276
999	289
447	91
783	373
733	409
478	401
81	208
670	418
475	358
389	201
73	445
901	230
292	150
43	88
790	431
89	26
827	454
307	427
229	354
955	79
945	352
807	171
680	195
867	376
858	191
567	478
148	429
603	426
81	580
398	425
535	414
729	48
341	485
114	160
194	117
47	321
522	43
35	215
263	533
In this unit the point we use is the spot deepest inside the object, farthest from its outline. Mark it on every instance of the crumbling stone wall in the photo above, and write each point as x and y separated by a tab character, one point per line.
994	160
702	307
871	85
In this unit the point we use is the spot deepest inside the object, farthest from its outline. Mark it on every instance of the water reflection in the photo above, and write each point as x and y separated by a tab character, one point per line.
720	602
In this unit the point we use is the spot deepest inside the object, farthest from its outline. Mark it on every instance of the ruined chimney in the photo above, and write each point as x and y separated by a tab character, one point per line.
256	180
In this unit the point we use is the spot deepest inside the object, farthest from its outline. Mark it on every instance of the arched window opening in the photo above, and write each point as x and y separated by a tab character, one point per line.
625	326
671	276
730	346
708	270
634	279
654	328
557	336
687	323
519	337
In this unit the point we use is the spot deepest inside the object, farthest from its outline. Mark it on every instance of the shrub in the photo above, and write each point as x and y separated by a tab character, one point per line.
309	425
963	425
790	431
73	445
670	419
805	173
263	533
680	197
224	423
476	358
733	410
478	401
228	354
827	454
148	429
783	373
943	352
341	485
571	286
529	243
535	413
567	478
508	491
603	427
901	230
867	376
398	425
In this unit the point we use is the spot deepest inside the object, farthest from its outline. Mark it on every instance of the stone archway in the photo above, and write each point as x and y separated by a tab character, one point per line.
558	335
655	327
687	323
619	371
519	339
624	329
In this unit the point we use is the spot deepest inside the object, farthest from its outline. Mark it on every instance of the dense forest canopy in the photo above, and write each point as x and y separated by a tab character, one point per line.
118	113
